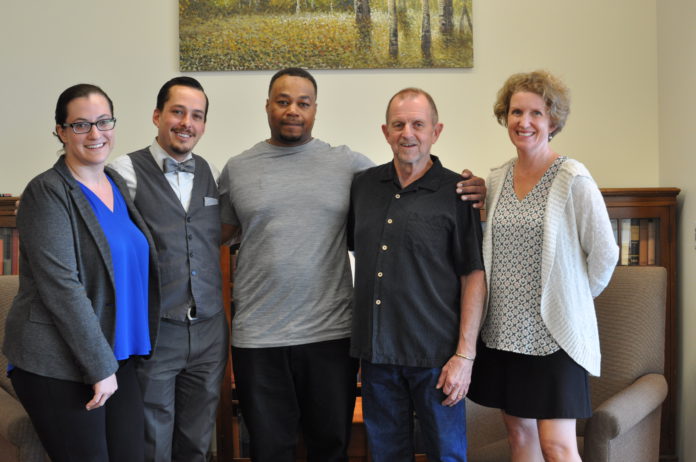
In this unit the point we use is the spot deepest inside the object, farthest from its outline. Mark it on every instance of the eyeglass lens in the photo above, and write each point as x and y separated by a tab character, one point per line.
85	127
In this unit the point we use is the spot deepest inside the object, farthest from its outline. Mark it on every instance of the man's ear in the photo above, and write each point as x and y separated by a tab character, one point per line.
437	130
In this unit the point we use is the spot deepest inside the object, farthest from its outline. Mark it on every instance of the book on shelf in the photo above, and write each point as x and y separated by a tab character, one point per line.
643	242
625	240
637	240
634	246
652	230
9	251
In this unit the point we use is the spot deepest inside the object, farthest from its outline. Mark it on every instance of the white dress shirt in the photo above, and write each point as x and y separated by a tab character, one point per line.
181	182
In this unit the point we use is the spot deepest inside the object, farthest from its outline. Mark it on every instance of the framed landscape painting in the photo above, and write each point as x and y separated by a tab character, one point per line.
225	35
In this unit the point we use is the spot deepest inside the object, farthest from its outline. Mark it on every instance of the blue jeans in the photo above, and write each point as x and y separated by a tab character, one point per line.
390	395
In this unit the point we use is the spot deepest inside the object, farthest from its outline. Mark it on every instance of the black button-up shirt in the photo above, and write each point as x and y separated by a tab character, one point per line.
411	247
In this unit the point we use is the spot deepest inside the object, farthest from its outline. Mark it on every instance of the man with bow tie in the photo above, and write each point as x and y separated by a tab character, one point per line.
176	192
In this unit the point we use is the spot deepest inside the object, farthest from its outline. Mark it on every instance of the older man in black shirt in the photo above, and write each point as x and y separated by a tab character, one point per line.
419	289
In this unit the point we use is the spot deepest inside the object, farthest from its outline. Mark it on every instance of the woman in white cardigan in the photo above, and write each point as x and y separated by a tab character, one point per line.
549	250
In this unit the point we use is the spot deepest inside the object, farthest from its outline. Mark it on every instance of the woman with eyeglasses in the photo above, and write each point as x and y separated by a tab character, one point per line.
88	294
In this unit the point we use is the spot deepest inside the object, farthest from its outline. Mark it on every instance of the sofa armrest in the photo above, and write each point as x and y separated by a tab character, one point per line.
15	425
625	409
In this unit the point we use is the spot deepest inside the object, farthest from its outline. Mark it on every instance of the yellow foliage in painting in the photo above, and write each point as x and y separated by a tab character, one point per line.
311	40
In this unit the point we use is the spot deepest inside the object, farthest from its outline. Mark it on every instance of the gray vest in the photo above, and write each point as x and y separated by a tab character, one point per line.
188	243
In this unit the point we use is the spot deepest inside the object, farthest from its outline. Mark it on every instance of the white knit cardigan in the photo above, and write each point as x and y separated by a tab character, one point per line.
579	254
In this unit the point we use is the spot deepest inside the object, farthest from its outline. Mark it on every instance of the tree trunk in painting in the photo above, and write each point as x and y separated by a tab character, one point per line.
363	20
393	30
297	6
446	18
402	17
426	39
465	26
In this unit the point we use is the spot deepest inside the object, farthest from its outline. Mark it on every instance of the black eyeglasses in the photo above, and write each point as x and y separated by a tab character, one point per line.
85	127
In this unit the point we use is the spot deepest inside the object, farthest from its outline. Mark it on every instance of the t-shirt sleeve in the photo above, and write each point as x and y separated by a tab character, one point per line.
227	213
360	162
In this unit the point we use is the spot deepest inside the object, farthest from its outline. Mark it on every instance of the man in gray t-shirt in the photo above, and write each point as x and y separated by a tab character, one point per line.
287	200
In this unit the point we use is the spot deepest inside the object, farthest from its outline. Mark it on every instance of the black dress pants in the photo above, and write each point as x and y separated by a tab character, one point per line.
309	387
69	432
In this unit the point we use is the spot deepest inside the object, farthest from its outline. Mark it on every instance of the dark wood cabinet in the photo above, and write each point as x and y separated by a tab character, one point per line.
658	205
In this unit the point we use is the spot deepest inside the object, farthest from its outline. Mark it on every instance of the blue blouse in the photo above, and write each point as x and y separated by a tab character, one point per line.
130	260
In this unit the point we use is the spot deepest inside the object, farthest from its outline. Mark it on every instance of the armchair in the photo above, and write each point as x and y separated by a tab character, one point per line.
628	396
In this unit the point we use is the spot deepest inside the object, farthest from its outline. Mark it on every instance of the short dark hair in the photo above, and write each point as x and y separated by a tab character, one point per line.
184	81
412	92
80	90
294	72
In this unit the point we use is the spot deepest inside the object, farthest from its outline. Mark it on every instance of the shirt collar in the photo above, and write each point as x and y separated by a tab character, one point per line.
430	180
160	154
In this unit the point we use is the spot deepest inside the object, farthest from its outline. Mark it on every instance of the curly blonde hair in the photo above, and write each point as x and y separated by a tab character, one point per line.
549	87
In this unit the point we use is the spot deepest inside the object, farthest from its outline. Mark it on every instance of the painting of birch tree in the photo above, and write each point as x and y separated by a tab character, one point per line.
223	35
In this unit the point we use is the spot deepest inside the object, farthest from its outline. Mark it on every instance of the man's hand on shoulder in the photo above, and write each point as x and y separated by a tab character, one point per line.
472	188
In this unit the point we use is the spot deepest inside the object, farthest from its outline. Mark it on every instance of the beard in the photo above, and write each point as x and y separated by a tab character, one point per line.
290	138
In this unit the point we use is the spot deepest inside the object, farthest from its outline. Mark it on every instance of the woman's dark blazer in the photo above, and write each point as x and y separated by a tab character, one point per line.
62	321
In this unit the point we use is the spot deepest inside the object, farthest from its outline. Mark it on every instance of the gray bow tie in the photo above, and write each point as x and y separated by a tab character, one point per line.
170	165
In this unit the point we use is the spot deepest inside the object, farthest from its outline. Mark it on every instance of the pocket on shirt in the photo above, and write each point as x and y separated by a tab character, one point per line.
427	234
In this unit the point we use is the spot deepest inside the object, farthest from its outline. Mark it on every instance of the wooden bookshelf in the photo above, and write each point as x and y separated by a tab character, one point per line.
659	206
9	239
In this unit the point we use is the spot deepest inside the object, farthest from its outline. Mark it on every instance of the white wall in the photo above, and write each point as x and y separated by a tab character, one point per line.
676	22
606	52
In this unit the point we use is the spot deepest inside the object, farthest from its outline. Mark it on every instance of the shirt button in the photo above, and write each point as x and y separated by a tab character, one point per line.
194	272
378	302
190	237
390	221
398	196
384	247
380	274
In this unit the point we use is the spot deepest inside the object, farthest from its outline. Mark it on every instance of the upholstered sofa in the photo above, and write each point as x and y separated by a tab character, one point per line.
18	441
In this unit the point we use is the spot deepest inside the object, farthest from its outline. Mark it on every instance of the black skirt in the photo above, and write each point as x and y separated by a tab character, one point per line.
533	387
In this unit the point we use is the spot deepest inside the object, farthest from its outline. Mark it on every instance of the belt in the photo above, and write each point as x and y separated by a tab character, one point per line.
191	313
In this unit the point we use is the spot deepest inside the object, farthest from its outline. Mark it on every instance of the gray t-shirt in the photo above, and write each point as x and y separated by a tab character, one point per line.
293	282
